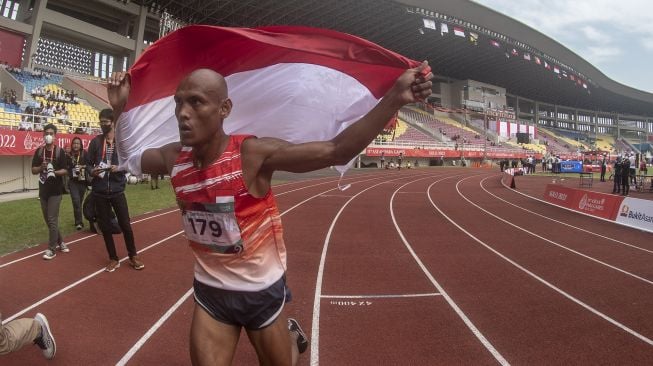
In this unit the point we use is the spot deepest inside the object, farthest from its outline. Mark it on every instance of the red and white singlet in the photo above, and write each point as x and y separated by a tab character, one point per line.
237	239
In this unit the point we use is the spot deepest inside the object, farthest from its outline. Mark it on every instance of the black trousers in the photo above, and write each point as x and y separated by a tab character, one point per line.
77	191
625	184
616	188
103	205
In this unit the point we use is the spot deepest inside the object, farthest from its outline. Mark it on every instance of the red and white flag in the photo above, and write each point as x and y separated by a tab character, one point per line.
458	31
295	83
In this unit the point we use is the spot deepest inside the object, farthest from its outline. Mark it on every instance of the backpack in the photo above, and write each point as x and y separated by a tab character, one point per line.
88	209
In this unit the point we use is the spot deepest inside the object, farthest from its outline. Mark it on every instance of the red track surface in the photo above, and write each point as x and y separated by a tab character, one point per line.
418	267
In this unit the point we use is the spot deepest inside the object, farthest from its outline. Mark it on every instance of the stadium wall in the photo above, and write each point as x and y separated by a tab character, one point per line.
94	93
16	174
7	81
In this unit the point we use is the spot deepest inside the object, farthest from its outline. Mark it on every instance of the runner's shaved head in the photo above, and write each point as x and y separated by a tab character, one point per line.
207	81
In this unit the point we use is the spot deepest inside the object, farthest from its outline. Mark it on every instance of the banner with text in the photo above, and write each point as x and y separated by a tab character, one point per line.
589	202
637	213
14	142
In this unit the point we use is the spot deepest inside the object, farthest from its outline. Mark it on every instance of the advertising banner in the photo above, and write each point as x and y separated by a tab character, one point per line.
637	213
14	142
589	202
571	166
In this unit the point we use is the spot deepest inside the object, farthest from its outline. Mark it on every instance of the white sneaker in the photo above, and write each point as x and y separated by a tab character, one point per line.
46	341
64	248
49	254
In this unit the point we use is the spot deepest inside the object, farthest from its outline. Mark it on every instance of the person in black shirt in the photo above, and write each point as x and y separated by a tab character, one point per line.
108	190
77	182
49	162
616	188
625	176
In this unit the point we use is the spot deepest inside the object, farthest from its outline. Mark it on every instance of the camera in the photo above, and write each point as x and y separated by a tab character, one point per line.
50	171
81	175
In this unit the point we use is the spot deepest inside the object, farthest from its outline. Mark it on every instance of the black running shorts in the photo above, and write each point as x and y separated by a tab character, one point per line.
252	310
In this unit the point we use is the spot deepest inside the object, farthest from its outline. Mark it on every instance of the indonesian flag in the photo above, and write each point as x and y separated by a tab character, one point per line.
295	83
458	31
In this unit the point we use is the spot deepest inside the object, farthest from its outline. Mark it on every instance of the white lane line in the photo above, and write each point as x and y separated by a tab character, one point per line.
563	223
160	322
55	294
380	296
551	241
484	341
315	325
323	183
137	346
540	279
82	238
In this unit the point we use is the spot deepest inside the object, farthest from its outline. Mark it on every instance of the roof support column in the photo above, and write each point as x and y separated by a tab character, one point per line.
139	31
32	41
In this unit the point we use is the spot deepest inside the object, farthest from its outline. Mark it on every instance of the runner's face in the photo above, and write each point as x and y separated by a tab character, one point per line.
200	107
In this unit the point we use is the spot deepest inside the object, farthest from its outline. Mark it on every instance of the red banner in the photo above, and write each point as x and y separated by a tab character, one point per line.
14	142
11	47
589	202
436	153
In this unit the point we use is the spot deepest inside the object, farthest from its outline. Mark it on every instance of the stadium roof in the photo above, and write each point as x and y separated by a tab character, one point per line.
399	26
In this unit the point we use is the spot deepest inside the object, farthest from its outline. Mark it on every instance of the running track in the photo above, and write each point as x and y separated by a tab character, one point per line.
418	267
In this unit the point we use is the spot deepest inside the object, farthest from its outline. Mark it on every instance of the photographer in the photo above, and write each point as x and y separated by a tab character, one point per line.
49	162
108	190
77	182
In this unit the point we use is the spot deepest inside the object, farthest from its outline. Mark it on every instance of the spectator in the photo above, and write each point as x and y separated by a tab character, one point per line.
49	162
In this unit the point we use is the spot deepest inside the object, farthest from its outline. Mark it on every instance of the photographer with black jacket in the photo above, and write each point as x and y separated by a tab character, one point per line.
108	190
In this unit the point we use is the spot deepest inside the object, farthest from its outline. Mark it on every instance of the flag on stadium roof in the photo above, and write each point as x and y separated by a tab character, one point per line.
556	69
429	23
537	60
514	52
473	38
295	83
458	31
444	28
527	56
495	43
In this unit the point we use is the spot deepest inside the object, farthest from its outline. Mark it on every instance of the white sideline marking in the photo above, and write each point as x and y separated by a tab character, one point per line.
158	324
315	325
80	239
137	346
484	341
561	222
380	296
79	281
551	241
543	281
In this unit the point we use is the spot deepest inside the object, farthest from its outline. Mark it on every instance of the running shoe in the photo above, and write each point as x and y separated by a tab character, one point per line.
46	340
112	266
302	341
49	254
63	247
136	262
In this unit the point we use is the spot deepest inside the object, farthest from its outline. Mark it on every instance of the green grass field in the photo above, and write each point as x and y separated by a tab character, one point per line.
22	224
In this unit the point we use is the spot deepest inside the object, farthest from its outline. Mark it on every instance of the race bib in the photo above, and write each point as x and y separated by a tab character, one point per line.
213	225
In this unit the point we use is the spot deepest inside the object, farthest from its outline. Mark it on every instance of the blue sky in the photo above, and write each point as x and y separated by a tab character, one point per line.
614	36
